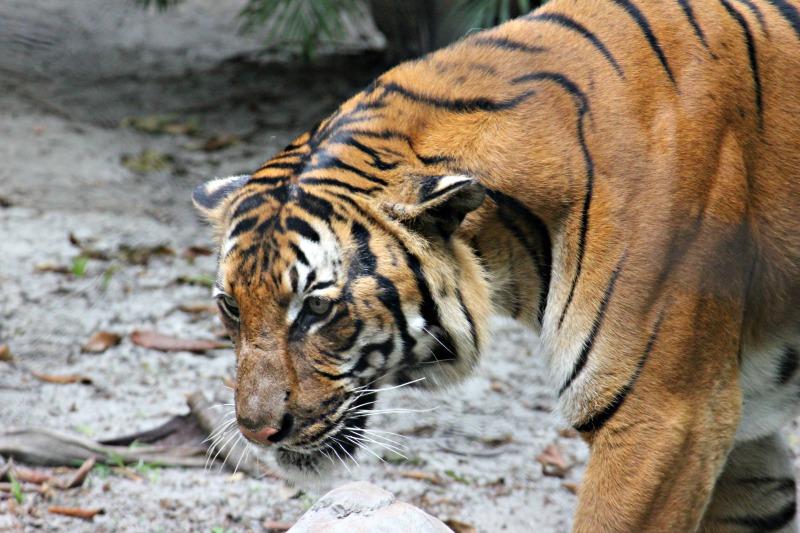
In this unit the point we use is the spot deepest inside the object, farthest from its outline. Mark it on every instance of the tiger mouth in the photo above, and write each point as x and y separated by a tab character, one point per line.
336	446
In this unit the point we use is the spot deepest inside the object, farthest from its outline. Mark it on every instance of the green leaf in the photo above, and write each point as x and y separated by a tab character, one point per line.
16	488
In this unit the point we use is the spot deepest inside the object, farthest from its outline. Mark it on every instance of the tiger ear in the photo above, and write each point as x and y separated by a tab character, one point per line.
438	204
210	198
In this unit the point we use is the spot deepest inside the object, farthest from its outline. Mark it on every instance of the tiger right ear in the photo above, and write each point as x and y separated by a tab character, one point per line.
436	205
210	198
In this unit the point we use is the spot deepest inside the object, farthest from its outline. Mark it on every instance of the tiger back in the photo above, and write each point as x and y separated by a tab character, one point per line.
623	176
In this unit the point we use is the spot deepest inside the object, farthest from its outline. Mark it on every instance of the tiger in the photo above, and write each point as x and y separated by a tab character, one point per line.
620	176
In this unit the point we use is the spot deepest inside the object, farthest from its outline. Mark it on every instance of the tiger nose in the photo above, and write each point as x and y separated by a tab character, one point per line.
266	434
260	436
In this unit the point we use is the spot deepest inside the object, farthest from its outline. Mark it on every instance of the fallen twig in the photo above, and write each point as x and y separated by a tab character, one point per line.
77	512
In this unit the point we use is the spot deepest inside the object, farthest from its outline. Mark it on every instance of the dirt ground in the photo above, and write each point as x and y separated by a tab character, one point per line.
80	85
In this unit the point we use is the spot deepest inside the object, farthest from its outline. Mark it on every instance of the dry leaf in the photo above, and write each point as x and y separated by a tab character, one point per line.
128	473
5	354
70	378
460	527
196	251
422	476
26	475
167	343
495	442
80	475
77	512
572	487
50	267
553	463
141	255
101	341
220	142
272	525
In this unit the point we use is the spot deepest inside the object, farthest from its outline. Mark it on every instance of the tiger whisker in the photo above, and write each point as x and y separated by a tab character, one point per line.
341	445
367	433
395	386
339	456
241	456
367	412
381	444
360	445
426	330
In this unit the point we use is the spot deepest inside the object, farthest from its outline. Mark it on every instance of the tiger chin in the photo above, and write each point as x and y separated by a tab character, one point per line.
622	176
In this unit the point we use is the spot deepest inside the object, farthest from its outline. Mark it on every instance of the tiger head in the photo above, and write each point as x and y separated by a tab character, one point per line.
331	289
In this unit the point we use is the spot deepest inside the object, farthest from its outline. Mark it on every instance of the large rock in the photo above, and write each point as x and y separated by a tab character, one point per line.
361	507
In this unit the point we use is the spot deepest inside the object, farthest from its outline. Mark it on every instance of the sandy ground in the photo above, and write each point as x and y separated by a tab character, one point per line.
70	73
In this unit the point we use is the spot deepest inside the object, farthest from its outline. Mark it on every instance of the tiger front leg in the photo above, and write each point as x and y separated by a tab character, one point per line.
654	460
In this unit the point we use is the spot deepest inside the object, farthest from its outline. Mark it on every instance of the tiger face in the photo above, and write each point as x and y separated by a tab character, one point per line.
328	299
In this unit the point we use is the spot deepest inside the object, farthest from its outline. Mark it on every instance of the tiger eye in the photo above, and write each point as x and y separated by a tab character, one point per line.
229	306
318	306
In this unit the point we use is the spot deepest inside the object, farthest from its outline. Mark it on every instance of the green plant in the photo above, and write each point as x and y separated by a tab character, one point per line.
479	14
300	23
79	265
16	488
305	24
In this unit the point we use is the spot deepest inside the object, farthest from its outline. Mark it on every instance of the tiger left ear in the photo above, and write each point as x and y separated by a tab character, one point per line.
210	198
439	204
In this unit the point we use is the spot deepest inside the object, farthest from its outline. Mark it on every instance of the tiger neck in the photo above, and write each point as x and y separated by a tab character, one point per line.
514	247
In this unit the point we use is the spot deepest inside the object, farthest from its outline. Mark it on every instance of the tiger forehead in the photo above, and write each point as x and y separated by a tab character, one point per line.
282	249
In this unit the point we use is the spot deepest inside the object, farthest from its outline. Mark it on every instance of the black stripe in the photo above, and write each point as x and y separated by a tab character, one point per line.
598	321
303	228
459	105
332	377
507	44
250	203
789	12
571	24
428	192
771	522
294	278
321	285
390	298
583	109
242	226
597	421
641	20
333	355
384	348
316	206
351	341
327	161
517	219
781	484
377	161
272	164
689	12
299	253
430	312
365	262
473	330
790	361
754	9
338	183
751	53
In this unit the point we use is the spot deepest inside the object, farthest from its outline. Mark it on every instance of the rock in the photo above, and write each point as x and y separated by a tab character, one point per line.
361	507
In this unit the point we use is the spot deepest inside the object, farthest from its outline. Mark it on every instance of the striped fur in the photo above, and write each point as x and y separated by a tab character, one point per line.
623	176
